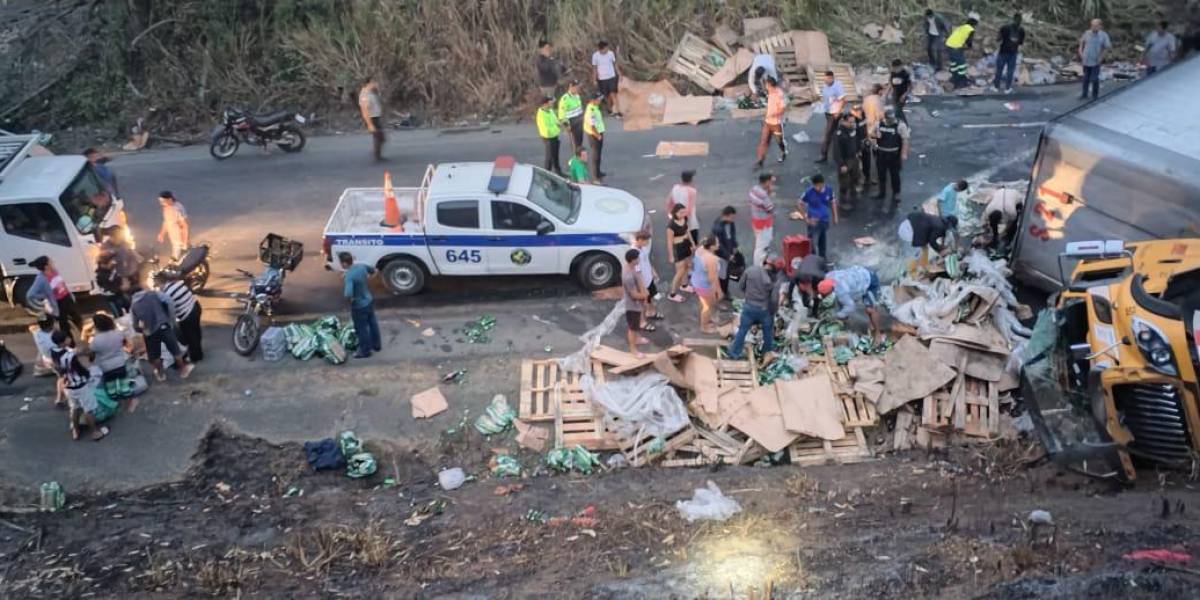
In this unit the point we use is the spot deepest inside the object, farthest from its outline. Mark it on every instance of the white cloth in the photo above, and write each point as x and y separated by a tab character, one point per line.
767	62
905	232
605	63
1004	201
762	243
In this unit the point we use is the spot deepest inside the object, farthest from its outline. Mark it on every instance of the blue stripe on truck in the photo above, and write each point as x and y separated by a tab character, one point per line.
566	239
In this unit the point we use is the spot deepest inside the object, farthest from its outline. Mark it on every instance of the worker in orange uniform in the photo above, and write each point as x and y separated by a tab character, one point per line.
772	123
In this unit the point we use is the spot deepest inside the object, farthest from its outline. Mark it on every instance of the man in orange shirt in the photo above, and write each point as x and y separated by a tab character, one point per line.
772	123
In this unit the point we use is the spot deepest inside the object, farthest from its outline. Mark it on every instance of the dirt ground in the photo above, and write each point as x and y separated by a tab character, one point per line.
250	518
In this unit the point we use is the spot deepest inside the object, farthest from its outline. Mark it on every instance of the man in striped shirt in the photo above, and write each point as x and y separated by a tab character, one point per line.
187	313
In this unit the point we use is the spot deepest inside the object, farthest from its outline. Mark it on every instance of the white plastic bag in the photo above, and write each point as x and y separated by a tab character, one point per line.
580	361
451	479
634	406
708	504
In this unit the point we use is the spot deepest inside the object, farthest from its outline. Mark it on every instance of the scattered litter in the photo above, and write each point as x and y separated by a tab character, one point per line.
616	461
863	242
657	177
428	403
425	512
451	479
708	503
544	321
1158	555
1041	517
506	466
457	377
496	418
293	491
1013	106
24	408
429	332
53	498
576	458
361	465
511	488
477	331
531	437
801	137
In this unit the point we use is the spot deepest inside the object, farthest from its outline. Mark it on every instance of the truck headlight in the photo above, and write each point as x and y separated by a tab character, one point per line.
1154	347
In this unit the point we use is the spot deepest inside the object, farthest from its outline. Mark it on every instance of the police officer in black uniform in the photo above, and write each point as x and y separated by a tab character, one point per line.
891	150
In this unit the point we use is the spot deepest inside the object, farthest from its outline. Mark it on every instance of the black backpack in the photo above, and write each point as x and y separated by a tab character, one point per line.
10	365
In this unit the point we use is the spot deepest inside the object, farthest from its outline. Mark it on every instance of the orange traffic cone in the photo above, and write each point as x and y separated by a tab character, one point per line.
391	210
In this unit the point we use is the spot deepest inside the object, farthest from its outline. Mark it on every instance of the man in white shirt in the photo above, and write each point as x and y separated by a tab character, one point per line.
607	74
833	101
761	68
1004	208
175	224
371	109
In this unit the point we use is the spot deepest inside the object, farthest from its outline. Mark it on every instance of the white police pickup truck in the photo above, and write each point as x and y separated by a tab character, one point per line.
477	218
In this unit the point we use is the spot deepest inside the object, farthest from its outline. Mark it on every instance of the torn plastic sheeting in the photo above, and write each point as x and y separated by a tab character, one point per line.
708	503
581	360
637	406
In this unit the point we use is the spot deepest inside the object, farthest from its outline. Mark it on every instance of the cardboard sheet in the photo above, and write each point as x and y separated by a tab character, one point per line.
672	352
428	403
911	372
725	37
687	109
761	420
736	91
531	437
752	25
980	365
733	67
611	356
985	338
642	102
810	407
812	48
700	372
665	365
671	149
747	113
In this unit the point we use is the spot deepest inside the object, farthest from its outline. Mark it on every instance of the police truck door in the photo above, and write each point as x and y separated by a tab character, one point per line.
521	239
455	238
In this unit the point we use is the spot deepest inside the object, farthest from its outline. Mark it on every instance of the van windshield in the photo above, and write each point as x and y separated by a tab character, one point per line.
555	195
80	200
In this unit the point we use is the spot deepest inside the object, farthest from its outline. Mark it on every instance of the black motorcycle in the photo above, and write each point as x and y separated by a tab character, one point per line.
192	268
280	255
281	128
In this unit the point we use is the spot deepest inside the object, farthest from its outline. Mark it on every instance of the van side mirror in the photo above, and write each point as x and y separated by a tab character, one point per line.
545	227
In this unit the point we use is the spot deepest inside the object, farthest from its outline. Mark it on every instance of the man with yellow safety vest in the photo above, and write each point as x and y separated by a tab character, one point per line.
960	40
593	126
570	113
547	126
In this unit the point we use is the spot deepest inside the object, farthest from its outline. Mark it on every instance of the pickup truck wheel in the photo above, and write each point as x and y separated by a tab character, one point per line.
598	271
403	276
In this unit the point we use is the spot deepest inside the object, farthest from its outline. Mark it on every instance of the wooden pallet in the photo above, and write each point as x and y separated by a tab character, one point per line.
539	381
692	59
812	451
981	406
841	72
737	373
859	411
638	450
576	426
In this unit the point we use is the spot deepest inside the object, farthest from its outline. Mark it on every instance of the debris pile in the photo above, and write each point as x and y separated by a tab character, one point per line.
326	336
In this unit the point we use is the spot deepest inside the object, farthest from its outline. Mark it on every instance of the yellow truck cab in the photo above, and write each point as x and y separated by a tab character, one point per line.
1129	314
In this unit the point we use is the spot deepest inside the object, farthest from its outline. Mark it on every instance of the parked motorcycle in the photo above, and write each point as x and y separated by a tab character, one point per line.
192	268
237	127
280	255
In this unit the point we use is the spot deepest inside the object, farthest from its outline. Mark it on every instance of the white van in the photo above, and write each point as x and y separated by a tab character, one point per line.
46	209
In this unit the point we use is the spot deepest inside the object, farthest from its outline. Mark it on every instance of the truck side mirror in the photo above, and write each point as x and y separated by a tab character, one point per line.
545	227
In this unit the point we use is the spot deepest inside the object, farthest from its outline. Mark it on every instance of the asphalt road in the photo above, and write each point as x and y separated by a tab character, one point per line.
234	203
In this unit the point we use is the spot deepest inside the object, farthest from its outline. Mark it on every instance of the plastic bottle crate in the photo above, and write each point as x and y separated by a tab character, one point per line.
274	344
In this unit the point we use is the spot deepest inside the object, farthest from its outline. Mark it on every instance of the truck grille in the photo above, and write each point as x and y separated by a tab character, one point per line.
1153	413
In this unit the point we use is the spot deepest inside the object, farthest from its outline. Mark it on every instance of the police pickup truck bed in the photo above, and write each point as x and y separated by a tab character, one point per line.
472	219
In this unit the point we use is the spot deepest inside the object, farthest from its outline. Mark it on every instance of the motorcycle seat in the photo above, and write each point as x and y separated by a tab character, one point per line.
271	118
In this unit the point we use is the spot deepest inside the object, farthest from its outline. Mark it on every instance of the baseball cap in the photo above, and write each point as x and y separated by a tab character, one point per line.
825	287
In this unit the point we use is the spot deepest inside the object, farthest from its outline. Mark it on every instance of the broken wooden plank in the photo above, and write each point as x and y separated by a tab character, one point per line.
697	60
612	356
673	352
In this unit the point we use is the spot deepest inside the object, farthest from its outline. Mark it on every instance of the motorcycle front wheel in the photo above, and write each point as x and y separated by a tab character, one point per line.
291	139
245	334
224	145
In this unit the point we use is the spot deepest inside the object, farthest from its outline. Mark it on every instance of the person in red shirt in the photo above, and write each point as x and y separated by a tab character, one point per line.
772	123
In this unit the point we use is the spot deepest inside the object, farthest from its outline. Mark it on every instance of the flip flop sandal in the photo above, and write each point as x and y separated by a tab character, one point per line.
650	327
655	317
99	435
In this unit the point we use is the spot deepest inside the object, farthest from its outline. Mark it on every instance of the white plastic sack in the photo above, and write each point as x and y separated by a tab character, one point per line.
635	406
580	361
708	503
451	479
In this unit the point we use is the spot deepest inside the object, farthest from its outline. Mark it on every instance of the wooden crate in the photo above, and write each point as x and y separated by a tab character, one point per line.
737	373
541	380
812	451
982	410
859	411
692	60
637	450
574	426
841	72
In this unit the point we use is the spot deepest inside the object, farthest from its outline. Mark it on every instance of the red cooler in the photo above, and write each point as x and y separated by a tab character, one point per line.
795	246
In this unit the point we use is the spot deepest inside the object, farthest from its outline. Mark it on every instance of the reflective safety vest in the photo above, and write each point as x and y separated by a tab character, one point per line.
593	119
958	37
547	123
569	106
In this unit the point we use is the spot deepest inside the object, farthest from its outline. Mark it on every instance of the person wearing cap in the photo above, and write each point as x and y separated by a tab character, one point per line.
772	124
923	231
548	130
760	289
175	223
852	286
807	272
891	150
570	113
947	203
593	126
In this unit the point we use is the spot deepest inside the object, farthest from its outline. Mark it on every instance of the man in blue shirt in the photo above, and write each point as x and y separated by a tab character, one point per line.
948	199
817	205
362	305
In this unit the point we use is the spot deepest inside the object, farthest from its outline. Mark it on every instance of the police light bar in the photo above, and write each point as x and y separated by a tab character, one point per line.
502	171
1095	249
